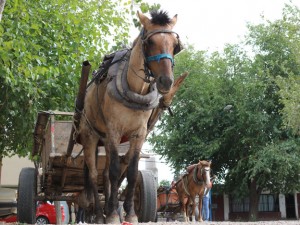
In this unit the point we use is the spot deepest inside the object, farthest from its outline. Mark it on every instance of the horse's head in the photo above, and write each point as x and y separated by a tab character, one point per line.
204	169
159	45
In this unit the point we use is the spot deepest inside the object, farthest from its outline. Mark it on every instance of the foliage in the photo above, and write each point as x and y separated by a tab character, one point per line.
277	46
42	46
229	110
164	183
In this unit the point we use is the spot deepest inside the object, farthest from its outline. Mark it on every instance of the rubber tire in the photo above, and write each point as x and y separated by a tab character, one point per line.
145	197
43	218
27	190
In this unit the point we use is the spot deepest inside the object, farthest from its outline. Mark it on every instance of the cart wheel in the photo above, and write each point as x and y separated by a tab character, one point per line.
27	190
145	197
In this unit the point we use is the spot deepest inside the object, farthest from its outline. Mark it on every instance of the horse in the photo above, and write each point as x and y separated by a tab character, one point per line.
119	107
190	185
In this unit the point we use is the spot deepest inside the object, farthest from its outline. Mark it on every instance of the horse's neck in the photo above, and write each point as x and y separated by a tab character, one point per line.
199	173
136	75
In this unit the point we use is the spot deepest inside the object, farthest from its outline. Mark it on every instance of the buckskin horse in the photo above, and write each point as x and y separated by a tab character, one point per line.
120	105
190	185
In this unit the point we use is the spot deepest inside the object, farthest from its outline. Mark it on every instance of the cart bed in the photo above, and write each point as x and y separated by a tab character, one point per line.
51	136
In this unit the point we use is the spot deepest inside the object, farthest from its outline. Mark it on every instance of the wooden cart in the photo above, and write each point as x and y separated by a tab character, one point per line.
168	205
57	177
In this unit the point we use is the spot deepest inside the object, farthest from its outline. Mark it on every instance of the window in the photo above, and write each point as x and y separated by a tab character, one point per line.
240	205
267	203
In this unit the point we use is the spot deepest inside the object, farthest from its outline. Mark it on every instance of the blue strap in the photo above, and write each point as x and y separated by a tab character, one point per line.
160	56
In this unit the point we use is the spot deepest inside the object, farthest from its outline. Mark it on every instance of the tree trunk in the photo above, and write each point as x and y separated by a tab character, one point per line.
254	200
2	3
0	164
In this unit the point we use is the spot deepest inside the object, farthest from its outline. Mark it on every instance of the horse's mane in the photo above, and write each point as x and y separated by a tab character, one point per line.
205	163
160	18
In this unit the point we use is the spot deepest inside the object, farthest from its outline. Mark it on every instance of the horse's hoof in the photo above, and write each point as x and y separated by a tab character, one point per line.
131	219
99	220
113	219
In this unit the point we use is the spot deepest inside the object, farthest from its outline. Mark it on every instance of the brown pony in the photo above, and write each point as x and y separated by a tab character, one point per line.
119	106
192	184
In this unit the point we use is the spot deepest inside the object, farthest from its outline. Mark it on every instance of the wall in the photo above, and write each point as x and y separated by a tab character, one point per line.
11	168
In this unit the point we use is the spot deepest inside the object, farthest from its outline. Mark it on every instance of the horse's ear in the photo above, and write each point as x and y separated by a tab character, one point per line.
173	21
143	19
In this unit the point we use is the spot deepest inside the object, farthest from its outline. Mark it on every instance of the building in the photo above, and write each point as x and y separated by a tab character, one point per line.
11	168
271	207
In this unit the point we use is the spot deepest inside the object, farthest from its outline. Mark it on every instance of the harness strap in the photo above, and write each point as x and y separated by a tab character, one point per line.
195	178
159	57
185	183
100	134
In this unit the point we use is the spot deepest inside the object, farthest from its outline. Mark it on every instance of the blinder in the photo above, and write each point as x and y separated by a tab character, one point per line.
178	48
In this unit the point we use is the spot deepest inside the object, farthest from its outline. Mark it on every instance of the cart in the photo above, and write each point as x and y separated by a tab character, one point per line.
168	205
58	178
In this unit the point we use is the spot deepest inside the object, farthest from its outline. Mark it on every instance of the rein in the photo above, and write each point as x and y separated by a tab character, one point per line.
195	178
198	181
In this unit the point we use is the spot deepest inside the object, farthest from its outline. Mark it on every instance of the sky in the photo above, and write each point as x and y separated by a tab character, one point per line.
209	25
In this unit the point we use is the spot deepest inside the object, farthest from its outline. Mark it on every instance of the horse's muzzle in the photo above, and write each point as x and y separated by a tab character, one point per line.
164	83
209	185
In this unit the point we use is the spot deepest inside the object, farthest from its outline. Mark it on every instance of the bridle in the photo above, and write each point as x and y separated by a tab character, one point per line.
145	37
199	176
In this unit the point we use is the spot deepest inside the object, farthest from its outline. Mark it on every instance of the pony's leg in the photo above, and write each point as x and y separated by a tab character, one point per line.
193	208
112	215
188	209
200	209
184	208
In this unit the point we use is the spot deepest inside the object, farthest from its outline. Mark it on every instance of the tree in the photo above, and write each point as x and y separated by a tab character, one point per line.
289	85
230	112
164	183
2	4
42	46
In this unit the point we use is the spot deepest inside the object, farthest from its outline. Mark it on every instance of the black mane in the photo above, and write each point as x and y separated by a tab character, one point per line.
160	18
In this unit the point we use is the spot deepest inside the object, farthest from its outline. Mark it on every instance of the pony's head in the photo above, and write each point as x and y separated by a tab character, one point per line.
204	168
159	45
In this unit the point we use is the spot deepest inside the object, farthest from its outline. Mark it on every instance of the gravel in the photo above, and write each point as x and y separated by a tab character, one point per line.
277	222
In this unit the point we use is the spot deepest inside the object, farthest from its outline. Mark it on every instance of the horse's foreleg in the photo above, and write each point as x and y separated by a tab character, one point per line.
90	159
132	174
106	182
188	209
200	209
193	208
114	174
